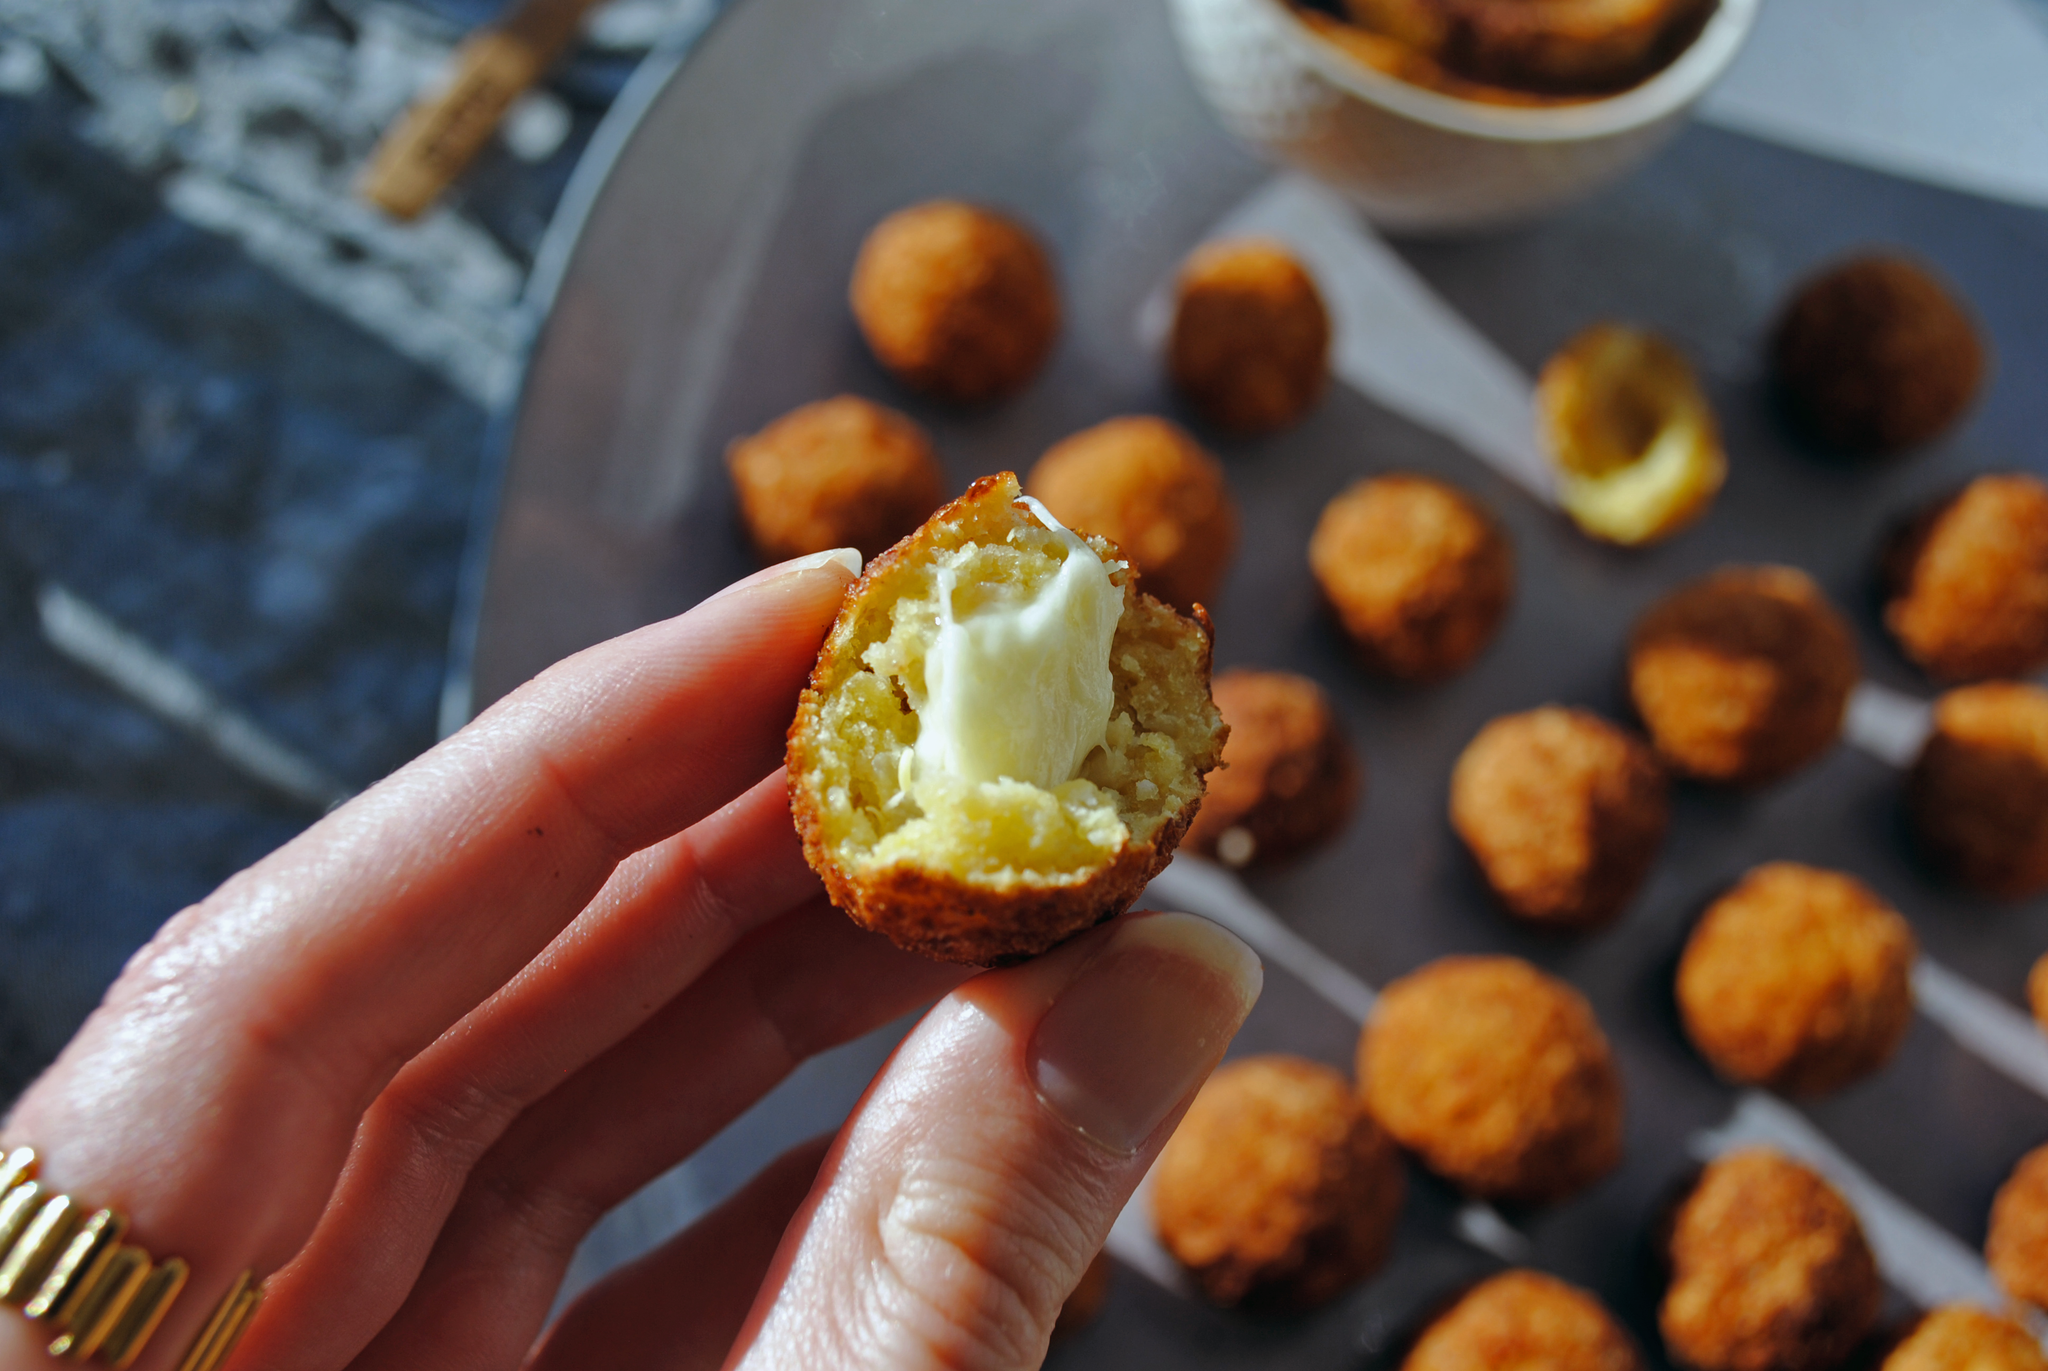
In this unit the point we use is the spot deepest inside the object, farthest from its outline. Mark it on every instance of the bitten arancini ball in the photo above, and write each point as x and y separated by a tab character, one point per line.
1977	798
1417	573
1289	778
1962	1337
1563	811
1967	582
1003	739
1797	979
1278	1190
1148	487
2016	1248
1251	340
1496	1076
1524	1321
1876	354
958	301
1769	1270
1742	676
836	473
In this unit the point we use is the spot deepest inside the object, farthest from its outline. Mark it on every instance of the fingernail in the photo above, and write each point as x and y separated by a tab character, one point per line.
1143	1023
846	559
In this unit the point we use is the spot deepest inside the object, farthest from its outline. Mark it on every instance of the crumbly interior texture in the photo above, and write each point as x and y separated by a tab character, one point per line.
877	812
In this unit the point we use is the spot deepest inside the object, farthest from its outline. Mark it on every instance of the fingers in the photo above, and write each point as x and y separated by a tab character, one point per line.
245	1041
678	1307
983	1170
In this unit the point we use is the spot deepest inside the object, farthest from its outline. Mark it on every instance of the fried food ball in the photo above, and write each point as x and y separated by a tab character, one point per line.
2016	1248
1250	345
1417	573
1084	1306
835	473
1563	811
2037	991
1962	1337
1630	433
1496	1076
1876	354
958	301
1278	1190
1967	582
1582	47
1003	739
1978	795
1148	487
1769	1270
1743	675
1524	1321
1798	979
1289	778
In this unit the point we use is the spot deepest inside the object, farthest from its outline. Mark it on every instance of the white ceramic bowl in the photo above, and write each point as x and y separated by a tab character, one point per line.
1416	160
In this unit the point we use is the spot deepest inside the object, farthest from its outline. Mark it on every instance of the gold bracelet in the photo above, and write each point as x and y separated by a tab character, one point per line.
69	1270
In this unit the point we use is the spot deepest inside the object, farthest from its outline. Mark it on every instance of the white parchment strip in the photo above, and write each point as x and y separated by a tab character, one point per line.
1889	725
2001	1035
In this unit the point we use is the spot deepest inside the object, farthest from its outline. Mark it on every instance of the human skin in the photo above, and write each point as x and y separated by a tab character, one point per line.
404	1063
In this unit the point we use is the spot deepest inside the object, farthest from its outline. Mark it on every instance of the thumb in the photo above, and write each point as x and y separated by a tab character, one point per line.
981	1173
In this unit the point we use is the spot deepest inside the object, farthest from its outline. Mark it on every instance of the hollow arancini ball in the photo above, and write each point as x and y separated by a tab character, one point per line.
1289	779
1962	1337
1797	979
1742	676
1563	811
1876	354
1417	573
1148	487
835	473
958	301
1496	1076
1278	1190
1967	582
2016	1248
1251	340
1977	797
1769	1270
1524	1321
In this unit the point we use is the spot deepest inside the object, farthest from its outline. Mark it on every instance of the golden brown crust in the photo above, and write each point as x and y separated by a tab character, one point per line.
1961	1337
836	473
1278	1190
1563	811
1251	339
1148	487
956	300
2016	1248
1560	46
1743	675
2037	991
1876	354
1497	1076
1967	581
1524	1321
1289	778
1417	573
1977	798
1769	1270
1798	979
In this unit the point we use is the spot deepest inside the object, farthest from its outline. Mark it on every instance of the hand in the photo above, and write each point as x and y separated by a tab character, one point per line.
403	1064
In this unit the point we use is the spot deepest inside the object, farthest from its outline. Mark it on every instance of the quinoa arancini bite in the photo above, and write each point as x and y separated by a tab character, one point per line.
1278	1190
1250	345
1497	1076
1966	582
1977	797
1418	575
2016	1246
835	473
958	301
1289	778
1563	811
1524	1321
1769	1270
1798	979
1962	1337
1003	739
1743	675
1148	487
